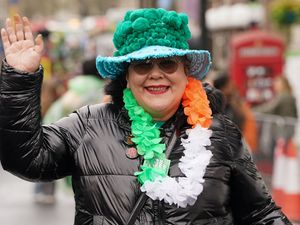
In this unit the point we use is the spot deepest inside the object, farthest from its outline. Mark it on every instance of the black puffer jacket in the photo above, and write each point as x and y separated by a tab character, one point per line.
90	146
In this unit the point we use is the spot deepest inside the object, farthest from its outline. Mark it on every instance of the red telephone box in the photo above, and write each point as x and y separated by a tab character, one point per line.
256	57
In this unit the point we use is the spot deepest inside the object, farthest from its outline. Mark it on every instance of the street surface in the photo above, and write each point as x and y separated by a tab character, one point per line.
17	204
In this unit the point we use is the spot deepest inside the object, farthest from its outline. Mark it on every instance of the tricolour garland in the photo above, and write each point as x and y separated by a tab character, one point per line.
153	176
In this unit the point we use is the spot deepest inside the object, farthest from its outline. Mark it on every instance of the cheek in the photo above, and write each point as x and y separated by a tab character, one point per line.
183	82
183	85
135	81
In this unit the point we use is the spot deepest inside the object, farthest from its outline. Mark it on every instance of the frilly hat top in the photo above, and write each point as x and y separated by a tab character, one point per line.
152	33
148	27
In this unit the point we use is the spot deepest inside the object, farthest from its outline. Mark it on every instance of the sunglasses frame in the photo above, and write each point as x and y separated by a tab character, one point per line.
153	61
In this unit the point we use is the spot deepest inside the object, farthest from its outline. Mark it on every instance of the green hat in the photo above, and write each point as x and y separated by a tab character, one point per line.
152	33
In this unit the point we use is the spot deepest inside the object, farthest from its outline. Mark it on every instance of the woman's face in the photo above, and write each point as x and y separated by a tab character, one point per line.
158	85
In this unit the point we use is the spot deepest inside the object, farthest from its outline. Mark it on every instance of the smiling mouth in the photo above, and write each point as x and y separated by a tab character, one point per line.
156	90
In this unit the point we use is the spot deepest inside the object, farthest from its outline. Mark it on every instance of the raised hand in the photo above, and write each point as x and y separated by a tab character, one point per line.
21	50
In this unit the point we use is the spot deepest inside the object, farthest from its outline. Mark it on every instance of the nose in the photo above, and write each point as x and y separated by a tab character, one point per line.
156	72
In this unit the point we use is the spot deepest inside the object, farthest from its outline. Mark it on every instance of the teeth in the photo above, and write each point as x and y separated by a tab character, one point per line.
157	88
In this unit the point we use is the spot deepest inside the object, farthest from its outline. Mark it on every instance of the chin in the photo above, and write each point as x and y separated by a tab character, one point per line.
156	109
160	106
161	110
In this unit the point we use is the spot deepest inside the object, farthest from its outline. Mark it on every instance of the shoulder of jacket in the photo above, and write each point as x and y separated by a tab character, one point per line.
226	138
215	98
99	111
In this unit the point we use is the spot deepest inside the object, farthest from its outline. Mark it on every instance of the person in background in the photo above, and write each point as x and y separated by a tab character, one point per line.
236	109
49	93
43	193
282	105
80	92
161	152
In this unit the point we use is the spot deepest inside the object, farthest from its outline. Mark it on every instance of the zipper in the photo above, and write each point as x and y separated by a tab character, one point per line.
155	212
158	210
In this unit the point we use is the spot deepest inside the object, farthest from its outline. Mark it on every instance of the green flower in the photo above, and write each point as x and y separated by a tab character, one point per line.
147	138
149	174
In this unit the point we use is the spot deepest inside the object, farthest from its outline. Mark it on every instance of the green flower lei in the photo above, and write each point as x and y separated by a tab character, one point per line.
147	138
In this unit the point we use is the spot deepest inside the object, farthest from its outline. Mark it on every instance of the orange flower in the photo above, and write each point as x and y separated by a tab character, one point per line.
196	104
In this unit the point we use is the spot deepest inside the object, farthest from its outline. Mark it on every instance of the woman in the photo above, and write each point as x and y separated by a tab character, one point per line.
160	138
282	107
284	103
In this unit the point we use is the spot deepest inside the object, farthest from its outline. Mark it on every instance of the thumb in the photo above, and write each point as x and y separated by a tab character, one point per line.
39	44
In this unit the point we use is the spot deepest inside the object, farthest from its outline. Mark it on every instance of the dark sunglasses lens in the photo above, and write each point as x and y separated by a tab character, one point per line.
168	65
142	67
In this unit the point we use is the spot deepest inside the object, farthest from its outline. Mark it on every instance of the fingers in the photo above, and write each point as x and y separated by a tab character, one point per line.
10	31
39	44
19	27
27	30
5	40
22	31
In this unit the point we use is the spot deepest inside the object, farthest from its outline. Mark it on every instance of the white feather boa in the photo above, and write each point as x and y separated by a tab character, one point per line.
184	191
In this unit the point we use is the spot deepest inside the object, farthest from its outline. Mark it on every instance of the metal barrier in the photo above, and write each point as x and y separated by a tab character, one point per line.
271	128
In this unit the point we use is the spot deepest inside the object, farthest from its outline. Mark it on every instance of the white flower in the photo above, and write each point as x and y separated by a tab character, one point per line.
184	191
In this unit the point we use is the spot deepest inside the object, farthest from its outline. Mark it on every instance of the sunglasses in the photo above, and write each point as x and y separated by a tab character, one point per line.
167	65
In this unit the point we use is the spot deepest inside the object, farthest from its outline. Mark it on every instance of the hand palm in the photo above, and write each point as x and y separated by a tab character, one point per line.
22	55
22	52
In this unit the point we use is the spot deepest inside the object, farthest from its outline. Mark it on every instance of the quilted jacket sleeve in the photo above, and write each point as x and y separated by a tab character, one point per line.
251	201
27	149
